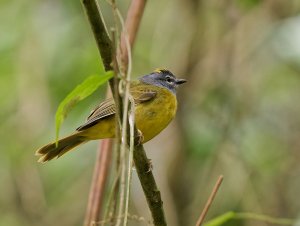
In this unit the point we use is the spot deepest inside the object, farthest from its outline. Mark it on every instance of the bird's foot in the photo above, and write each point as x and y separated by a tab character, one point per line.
139	138
150	166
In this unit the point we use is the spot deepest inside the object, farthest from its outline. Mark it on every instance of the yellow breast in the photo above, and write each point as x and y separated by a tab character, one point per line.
153	116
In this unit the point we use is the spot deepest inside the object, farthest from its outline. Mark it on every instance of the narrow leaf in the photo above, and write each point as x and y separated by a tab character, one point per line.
220	220
224	218
83	90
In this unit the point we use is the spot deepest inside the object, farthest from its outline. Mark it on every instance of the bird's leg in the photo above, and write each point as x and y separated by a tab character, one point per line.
139	138
150	166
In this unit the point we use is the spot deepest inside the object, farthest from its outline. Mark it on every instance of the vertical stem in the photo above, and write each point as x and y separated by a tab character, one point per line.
99	179
103	41
103	160
149	186
141	161
209	201
133	20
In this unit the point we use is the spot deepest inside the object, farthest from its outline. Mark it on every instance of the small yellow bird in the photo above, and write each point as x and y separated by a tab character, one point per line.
155	106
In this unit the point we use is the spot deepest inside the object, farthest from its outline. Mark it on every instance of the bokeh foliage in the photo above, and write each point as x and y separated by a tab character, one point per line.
238	115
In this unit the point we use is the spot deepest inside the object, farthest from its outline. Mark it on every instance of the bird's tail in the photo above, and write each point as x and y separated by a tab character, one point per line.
64	145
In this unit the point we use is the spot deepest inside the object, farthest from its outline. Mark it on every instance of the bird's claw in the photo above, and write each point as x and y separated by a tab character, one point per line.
150	166
139	138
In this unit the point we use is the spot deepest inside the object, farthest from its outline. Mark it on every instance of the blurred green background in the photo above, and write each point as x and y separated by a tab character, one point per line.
238	116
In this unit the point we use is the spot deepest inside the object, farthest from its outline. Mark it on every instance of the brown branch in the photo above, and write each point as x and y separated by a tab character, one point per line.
146	177
104	44
103	160
210	200
141	161
149	186
132	23
98	183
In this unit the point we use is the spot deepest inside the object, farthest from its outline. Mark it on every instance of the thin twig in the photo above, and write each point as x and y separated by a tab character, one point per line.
103	160
130	158
123	162
118	140
124	117
141	161
146	177
99	179
132	217
103	41
149	186
210	200
112	195
127	117
134	15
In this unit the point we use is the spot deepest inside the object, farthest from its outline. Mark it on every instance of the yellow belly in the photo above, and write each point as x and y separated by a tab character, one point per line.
153	116
150	118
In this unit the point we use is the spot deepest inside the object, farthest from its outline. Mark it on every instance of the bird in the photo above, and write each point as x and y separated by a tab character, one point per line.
155	101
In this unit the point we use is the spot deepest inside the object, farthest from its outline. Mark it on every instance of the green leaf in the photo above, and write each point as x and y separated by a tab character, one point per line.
83	90
264	218
222	219
248	4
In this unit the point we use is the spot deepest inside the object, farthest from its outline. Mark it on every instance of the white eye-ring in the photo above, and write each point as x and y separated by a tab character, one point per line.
169	79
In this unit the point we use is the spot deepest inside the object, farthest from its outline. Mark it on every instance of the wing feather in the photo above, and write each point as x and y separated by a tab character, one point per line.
105	109
141	94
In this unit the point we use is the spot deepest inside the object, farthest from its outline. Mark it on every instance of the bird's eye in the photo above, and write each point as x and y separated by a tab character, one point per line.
168	79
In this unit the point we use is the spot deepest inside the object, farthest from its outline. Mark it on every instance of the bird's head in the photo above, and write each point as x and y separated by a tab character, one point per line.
163	78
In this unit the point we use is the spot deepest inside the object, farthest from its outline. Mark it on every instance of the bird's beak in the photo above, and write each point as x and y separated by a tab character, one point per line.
180	81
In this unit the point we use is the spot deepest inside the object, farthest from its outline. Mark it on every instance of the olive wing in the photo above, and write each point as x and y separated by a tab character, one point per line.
107	108
142	93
